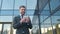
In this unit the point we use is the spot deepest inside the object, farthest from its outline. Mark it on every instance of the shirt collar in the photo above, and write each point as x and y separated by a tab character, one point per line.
24	14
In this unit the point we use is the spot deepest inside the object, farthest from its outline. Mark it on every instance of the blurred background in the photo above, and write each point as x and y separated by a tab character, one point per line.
44	14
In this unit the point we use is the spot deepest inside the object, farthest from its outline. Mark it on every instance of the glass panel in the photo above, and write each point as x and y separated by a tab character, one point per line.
54	4
43	30
31	4
16	13
30	12
5	18
35	20
59	25
55	19
0	28
19	3
46	7
47	20
6	29
35	29
42	18
7	4
14	31
0	2
57	13
6	13
45	13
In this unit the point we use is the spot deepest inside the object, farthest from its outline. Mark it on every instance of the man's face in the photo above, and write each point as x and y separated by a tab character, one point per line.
22	10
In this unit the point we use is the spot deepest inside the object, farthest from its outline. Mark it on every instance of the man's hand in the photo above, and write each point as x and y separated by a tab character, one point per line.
27	19
23	20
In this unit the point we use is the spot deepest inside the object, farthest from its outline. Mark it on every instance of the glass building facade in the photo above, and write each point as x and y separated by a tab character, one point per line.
44	14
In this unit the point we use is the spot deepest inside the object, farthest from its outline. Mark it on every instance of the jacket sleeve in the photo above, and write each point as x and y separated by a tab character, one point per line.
16	24
29	24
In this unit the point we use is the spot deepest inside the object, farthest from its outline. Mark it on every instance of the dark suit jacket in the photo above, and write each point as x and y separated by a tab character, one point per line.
21	28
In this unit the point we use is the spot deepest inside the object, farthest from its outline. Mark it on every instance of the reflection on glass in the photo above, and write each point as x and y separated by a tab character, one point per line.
14	31
50	28
5	18
46	7
16	13
54	4
7	4
30	12
6	28
54	27
31	4
19	3
43	30
6	13
0	28
55	19
59	25
35	29
0	2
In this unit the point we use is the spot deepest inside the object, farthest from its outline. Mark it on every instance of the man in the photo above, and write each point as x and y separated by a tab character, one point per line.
21	23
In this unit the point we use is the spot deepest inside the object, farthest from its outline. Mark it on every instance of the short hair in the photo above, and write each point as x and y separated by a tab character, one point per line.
22	6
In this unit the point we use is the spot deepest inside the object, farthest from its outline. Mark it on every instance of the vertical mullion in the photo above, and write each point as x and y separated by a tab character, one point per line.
0	15
2	28
12	17
44	25
26	7
51	16
1	6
